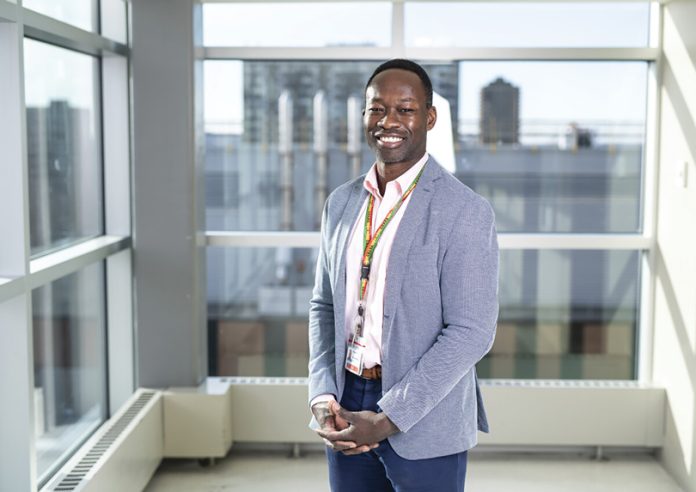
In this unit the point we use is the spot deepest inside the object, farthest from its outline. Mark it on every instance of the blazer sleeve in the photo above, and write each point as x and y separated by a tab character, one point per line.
469	294
322	345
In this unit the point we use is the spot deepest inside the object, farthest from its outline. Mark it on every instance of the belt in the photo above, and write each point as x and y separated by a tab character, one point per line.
372	373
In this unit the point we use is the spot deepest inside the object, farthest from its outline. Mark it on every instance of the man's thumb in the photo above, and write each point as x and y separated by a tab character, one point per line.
337	409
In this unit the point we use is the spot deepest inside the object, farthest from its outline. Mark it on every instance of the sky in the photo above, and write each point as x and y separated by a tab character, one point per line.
52	73
561	90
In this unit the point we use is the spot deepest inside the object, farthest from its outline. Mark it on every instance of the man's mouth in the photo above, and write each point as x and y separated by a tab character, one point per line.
389	140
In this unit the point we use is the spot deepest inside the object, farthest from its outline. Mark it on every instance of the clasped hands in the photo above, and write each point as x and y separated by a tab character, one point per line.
351	432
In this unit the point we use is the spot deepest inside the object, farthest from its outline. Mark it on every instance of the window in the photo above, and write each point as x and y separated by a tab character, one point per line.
69	364
257	310
522	24
243	130
313	24
67	91
63	146
114	24
548	106
80	13
555	146
566	314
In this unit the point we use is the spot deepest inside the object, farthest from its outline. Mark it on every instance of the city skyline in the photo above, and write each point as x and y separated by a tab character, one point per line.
558	92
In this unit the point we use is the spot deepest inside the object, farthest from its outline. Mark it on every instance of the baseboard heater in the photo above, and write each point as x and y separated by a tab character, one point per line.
122	455
521	412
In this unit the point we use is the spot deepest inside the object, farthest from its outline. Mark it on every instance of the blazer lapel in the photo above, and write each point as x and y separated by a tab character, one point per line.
416	212
350	214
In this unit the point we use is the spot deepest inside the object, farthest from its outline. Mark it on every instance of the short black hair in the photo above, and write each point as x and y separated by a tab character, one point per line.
410	66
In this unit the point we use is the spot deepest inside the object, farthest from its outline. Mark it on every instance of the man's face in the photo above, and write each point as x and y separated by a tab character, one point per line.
397	117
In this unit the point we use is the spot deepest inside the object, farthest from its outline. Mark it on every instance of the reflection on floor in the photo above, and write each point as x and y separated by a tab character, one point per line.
488	472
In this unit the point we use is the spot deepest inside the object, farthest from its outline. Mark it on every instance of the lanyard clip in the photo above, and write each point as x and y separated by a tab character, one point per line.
365	272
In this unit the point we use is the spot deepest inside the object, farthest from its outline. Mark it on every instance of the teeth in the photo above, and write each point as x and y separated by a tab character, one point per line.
391	139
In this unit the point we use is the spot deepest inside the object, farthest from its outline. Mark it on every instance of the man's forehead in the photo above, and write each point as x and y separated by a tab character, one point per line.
393	82
396	75
375	94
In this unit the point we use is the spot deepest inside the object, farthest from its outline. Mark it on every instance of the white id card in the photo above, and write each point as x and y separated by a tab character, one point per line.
355	354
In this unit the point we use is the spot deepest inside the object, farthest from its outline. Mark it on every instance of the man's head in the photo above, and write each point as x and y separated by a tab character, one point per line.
409	66
398	112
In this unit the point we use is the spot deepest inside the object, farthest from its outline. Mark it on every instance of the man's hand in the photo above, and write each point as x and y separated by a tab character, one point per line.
365	429
330	422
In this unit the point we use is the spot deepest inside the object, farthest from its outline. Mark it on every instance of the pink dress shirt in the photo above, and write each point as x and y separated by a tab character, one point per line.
374	297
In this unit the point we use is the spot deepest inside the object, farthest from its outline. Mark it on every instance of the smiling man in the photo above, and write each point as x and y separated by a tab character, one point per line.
404	305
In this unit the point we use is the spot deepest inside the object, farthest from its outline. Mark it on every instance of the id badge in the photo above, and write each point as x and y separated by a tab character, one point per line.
355	354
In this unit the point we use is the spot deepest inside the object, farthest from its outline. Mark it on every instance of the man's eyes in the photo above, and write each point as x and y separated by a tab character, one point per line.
400	110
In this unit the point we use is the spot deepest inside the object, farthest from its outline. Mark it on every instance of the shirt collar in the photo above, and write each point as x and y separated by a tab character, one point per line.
402	182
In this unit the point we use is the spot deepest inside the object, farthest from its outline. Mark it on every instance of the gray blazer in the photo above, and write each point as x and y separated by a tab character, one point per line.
440	312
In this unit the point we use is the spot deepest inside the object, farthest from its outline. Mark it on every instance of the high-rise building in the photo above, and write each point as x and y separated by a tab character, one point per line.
500	113
58	153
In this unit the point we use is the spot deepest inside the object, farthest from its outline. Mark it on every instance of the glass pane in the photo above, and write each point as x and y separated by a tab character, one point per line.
79	13
555	146
69	364
563	314
245	165
113	20
308	24
566	315
527	24
63	146
258	301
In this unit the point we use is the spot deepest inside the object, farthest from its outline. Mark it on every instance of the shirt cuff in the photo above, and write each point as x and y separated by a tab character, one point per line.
320	398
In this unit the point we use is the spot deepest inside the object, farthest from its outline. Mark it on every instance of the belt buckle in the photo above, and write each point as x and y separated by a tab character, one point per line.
374	373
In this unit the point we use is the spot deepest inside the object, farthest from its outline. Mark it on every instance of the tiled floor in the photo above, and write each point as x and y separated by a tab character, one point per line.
488	472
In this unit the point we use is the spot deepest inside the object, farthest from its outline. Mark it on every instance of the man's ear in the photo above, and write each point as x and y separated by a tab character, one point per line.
432	117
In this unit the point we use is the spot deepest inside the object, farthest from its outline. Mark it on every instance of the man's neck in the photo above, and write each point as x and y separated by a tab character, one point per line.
390	172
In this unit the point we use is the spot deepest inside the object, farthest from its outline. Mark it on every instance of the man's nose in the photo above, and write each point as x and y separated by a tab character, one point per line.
389	119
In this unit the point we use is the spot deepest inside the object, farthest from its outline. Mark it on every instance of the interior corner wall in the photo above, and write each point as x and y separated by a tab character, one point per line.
169	274
674	357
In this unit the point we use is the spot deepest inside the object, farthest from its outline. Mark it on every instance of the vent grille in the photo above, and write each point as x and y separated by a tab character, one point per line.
261	380
562	383
72	479
519	383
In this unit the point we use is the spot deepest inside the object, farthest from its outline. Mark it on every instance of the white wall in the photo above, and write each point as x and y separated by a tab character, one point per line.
675	309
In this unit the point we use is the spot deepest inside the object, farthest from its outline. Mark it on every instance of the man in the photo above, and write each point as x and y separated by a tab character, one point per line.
404	305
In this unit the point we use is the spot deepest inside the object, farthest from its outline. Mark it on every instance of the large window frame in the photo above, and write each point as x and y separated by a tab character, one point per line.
643	242
20	273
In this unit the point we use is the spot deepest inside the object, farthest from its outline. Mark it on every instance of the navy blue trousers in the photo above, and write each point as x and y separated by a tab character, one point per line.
382	470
